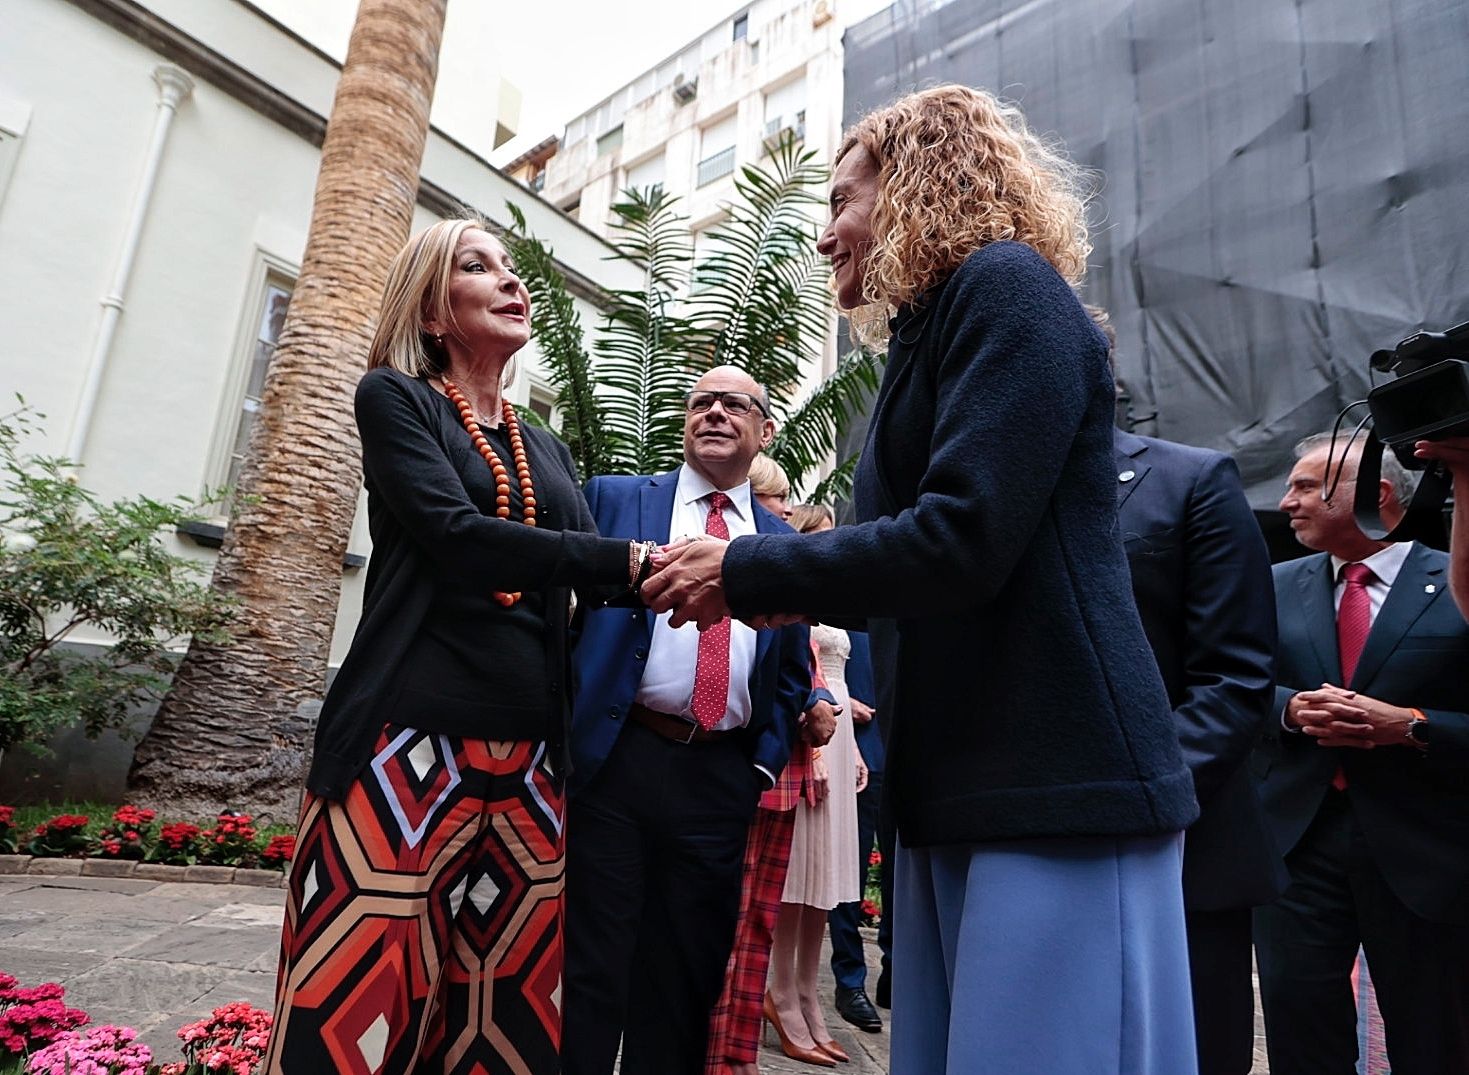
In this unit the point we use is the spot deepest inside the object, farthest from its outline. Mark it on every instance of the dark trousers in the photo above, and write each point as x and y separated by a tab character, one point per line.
1224	992
847	963
655	848
1306	943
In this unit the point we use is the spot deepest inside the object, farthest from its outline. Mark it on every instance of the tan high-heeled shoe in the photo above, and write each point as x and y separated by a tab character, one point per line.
790	1048
835	1051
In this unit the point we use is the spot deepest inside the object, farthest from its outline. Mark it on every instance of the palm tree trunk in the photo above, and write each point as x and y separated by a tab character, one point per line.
227	734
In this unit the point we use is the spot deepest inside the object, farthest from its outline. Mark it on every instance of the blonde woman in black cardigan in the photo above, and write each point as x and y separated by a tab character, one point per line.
423	923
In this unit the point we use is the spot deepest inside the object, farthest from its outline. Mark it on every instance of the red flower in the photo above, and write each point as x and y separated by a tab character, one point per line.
280	849
874	859
178	834
6	813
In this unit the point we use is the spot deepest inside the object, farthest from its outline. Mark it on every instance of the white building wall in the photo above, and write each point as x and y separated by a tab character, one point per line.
792	52
232	199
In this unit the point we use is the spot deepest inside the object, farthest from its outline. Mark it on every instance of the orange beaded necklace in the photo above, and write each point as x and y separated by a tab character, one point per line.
497	468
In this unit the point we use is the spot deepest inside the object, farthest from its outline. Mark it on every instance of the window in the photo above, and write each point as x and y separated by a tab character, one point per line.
262	346
645	174
718	158
542	402
785	107
14	119
609	141
701	248
742	27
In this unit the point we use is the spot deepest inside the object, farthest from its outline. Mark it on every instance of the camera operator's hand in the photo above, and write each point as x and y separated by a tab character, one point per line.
1452	452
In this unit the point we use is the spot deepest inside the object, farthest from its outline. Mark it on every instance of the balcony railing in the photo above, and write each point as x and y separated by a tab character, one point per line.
716	167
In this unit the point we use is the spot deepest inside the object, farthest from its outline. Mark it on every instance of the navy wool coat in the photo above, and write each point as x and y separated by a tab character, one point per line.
987	559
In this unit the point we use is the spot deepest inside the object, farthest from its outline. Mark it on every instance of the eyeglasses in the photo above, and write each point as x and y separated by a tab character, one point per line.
735	403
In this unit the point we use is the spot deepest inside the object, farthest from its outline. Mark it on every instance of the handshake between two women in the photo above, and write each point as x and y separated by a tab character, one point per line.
687	579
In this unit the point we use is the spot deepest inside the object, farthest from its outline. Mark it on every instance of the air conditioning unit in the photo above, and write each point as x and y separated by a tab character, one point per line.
684	91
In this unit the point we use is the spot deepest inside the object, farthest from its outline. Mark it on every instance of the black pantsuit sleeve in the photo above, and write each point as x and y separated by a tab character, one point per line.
405	464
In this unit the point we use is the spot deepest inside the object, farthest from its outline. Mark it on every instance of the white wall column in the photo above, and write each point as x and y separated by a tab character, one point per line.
174	87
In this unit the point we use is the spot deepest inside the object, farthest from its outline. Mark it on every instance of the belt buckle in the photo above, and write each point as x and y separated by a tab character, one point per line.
693	730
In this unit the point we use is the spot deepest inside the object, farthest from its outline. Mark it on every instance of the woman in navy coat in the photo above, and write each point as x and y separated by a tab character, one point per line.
1033	766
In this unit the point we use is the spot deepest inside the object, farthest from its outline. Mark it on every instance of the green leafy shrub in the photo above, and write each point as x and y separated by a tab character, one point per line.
68	559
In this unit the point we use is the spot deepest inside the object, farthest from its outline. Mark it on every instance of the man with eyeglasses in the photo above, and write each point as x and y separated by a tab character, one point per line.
675	734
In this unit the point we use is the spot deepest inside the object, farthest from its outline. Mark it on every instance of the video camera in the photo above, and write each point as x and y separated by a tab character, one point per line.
1427	400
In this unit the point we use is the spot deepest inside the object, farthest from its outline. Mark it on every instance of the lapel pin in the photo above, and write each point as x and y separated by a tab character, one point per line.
1430	588
1126	476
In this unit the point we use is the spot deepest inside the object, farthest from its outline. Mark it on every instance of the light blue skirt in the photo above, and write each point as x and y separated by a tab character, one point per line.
1062	956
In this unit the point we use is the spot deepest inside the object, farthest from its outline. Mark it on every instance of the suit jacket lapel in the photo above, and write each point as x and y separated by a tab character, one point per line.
655	516
1408	599
1318	607
1128	451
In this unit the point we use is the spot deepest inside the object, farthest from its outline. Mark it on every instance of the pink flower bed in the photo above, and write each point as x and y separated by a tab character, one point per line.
39	1035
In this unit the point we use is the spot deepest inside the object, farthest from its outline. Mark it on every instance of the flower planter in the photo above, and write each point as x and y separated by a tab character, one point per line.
15	865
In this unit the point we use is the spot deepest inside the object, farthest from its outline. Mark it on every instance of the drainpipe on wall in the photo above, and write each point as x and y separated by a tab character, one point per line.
174	87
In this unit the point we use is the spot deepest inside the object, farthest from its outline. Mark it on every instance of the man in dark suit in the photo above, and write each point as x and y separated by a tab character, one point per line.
1363	777
675	733
1201	578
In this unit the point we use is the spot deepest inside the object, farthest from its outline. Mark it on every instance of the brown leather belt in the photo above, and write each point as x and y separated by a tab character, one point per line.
679	729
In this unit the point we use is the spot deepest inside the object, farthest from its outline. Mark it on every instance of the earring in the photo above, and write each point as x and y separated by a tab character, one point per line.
439	339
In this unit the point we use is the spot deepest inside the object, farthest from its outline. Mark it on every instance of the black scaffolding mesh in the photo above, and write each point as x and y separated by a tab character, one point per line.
1285	191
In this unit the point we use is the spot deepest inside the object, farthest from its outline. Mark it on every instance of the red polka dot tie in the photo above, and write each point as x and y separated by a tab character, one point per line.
1353	622
711	672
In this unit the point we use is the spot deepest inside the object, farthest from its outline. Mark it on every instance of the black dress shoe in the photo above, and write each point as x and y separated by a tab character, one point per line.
855	1008
885	990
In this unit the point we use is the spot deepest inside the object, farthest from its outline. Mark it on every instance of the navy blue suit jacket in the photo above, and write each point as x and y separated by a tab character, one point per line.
613	642
1412	806
860	685
1201	577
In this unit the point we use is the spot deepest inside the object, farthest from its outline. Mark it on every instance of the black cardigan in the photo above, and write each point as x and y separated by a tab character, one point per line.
1026	700
430	509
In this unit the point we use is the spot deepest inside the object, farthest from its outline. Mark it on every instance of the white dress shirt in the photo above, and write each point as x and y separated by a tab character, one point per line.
1384	564
668	675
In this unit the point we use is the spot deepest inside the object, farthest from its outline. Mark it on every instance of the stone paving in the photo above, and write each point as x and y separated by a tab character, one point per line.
156	955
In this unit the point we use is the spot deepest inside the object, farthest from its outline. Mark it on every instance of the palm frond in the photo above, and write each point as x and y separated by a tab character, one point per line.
644	346
753	304
838	484
809	434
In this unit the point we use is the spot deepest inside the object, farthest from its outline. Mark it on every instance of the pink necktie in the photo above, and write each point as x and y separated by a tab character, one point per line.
711	672
1353	619
1353	622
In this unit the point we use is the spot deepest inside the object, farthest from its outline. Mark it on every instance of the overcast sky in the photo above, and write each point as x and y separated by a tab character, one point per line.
564	55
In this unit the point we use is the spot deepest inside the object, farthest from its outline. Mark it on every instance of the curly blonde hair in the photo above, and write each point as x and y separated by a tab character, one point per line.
957	169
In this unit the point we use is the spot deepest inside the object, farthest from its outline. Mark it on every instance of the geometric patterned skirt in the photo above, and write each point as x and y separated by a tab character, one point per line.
423	921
